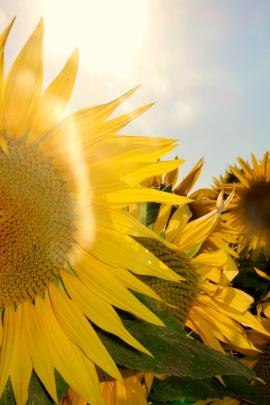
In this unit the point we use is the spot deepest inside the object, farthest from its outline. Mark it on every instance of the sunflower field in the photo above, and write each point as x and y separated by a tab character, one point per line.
121	282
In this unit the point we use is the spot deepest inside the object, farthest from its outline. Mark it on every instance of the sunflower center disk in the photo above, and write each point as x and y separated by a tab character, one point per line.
181	294
36	222
256	205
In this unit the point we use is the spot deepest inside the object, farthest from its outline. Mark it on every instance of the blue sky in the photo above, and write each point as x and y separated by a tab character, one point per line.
205	62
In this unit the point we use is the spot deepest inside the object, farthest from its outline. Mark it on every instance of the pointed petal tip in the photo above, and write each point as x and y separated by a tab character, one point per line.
11	23
74	58
39	29
201	161
75	54
130	92
5	33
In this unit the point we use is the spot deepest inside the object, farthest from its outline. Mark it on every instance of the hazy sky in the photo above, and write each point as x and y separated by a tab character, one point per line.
205	62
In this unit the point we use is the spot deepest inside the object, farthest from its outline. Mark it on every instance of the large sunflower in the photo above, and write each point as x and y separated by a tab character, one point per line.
67	256
250	210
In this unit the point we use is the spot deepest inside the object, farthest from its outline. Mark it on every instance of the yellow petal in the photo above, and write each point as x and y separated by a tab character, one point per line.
162	219
122	222
123	251
112	126
217	258
262	274
101	282
131	148
242	178
256	165
70	363
250	321
190	179
177	222
9	342
171	176
55	99
89	123
151	170
21	373
196	232
134	390
204	328
98	311
3	39
23	85
245	167
229	329
80	331
38	344
140	194
134	283
234	298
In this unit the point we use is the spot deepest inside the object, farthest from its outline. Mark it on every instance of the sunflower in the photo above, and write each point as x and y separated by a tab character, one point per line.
68	255
205	301
259	362
197	249
203	201
250	210
133	390
223	236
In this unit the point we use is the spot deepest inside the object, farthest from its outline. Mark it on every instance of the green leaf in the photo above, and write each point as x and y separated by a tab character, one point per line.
151	213
61	385
174	353
190	389
163	314
8	397
37	394
249	281
186	388
241	388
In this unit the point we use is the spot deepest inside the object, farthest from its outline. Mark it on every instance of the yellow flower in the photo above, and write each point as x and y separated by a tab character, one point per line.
250	210
203	201
260	361
133	390
223	236
205	300
67	249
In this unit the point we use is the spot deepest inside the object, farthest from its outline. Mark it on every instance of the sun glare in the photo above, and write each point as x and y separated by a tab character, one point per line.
108	33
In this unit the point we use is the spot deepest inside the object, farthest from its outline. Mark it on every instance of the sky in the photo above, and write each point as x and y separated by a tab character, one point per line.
205	63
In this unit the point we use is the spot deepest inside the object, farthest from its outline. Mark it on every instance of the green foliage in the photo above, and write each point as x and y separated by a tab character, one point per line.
37	394
191	390
186	388
174	353
249	281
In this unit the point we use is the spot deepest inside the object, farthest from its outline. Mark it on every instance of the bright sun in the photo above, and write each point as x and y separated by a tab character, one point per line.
109	33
